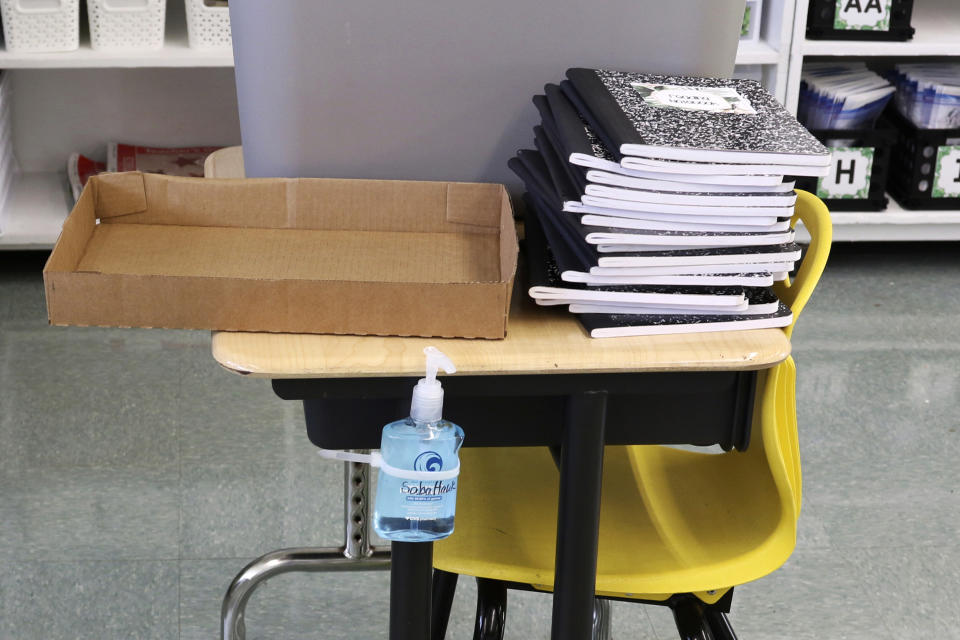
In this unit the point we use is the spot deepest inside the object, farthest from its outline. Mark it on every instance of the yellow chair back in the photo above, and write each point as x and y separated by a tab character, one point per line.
816	218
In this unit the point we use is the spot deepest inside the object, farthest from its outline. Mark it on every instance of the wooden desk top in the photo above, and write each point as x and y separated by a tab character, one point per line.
539	340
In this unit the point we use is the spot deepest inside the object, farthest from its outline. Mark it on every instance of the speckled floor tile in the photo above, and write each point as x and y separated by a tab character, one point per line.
83	397
818	594
227	418
884	526
251	508
811	529
896	576
84	514
116	600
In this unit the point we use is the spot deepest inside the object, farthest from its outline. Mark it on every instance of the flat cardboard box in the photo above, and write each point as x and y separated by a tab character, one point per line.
286	255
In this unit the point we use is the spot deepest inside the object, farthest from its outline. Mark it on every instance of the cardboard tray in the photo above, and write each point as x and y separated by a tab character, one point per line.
286	255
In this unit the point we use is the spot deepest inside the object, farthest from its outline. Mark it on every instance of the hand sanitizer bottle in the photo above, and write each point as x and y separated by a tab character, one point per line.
417	489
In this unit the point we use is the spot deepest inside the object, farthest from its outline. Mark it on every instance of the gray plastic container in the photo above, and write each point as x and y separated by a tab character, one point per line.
427	90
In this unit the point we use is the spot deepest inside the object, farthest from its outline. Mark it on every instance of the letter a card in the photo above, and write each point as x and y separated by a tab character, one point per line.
868	15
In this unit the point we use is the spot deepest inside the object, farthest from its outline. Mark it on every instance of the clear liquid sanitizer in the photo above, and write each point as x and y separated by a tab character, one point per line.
417	489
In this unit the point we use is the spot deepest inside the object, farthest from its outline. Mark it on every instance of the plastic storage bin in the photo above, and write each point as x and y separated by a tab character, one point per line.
926	166
208	24
850	187
840	20
126	24
41	25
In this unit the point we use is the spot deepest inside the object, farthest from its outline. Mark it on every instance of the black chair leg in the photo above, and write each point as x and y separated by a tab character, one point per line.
444	588
491	610
691	619
720	625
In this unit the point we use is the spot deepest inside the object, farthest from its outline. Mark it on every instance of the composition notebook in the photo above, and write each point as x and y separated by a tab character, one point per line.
687	318
604	325
652	191
581	147
547	287
694	119
528	165
575	267
553	185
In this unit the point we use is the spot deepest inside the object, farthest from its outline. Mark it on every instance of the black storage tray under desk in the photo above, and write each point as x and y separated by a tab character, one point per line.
697	408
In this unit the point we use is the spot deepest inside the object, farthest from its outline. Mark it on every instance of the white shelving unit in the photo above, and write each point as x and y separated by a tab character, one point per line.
41	201
771	54
752	53
81	100
892	225
937	24
175	53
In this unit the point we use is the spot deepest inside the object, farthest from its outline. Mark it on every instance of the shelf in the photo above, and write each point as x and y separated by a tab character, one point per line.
892	225
175	53
35	211
757	53
937	27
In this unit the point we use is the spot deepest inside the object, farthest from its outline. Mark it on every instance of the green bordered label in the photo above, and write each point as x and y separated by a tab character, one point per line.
865	15
849	177
946	180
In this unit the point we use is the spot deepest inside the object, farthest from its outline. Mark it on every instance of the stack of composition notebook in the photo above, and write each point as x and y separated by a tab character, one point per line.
663	204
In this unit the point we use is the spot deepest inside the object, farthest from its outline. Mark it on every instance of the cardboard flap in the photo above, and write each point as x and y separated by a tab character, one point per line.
471	204
119	194
509	246
300	203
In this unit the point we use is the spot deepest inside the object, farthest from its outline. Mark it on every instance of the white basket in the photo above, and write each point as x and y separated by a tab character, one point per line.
208	27
126	24
41	25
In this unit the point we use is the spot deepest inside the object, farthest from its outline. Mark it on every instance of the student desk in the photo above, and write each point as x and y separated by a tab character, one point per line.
546	384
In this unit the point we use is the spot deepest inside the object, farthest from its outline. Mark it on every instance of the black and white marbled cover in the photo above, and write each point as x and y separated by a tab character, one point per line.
760	295
550	277
676	289
599	149
777	249
545	270
592	321
706	195
771	130
627	231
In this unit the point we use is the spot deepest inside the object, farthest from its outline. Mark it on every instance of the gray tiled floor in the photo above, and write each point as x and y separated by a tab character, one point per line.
136	478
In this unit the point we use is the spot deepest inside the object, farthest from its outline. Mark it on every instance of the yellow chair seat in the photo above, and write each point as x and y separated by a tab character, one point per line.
671	521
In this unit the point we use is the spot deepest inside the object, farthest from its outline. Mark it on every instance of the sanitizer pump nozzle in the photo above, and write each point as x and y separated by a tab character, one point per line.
427	402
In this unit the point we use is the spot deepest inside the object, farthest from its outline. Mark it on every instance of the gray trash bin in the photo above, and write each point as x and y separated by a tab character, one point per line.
432	90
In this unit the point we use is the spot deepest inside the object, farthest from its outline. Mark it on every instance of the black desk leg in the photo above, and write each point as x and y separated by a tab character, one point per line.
578	517
411	576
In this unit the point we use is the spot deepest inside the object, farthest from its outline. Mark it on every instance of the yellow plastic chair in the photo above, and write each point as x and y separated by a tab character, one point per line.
677	527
